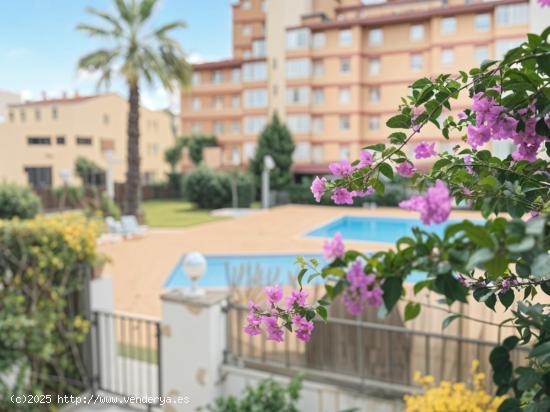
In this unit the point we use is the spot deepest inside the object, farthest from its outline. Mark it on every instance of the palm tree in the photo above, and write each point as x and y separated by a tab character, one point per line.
138	54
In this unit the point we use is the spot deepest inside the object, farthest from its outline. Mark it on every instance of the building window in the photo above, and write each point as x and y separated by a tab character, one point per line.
374	94
37	115
302	153
376	37
60	140
106	119
246	5
374	123
416	32
344	123
345	95
218	127
39	177
263	6
317	124
11	117
255	98
416	60
297	95
374	66
344	152
298	68
299	123
481	54
502	46
195	104
196	78
235	155
54	113
22	115
196	127
83	141
317	153
447	56
318	68
297	39
318	96
512	14
39	141
319	40
258	48
345	38
217	103
345	65
217	77
249	150
236	75
253	72
246	30
235	126
235	102
448	25
482	22
254	124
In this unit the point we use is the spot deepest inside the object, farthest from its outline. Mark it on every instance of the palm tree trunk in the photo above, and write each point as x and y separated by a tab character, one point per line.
133	171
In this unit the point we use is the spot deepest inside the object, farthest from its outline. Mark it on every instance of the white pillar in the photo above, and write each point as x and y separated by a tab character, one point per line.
110	174
193	344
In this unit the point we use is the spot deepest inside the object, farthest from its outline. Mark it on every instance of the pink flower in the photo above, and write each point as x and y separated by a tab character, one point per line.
544	3
360	193
341	169
334	248
434	207
461	116
468	162
374	297
417	111
425	150
318	188
365	159
274	294
304	328
254	320
357	295
297	296
405	169
341	196
274	331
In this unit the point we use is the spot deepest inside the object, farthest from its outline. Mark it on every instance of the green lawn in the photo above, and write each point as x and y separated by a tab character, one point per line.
175	213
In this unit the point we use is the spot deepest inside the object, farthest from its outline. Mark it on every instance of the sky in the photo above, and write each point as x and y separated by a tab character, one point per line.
40	48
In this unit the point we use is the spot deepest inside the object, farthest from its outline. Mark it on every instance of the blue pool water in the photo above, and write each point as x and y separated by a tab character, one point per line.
216	272
375	229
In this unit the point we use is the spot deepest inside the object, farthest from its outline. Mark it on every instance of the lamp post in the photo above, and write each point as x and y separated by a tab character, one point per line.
194	265
269	164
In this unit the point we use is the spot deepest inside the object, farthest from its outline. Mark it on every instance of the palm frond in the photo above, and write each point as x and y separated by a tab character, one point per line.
145	9
95	31
161	31
98	60
107	17
125	12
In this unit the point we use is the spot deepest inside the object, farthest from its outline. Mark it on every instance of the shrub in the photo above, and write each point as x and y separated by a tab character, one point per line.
208	189
245	189
44	262
449	396
267	396
69	196
18	201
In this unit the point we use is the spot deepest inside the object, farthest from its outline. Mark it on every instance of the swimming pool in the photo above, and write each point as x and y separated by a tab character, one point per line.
218	266
374	229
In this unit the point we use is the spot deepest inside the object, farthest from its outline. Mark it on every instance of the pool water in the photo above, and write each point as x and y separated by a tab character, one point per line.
374	229
218	266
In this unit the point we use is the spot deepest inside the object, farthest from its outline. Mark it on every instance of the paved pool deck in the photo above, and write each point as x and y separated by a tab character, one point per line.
139	267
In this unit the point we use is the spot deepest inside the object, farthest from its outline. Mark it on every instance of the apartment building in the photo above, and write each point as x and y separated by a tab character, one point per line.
40	140
335	70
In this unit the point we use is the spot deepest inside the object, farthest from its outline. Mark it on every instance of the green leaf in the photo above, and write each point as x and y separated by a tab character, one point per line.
541	352
449	319
509	405
528	378
400	121
412	310
489	181
301	276
526	244
497	265
479	235
392	288
379	147
479	257
397	138
540	267
506	298
386	170
421	285
378	186
510	342
322	312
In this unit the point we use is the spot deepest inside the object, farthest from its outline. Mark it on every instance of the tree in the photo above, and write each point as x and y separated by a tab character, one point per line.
502	263
89	171
140	54
276	141
196	143
172	156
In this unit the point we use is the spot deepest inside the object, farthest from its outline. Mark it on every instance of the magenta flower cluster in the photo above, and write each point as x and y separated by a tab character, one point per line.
270	318
361	291
492	122
405	169
424	150
434	206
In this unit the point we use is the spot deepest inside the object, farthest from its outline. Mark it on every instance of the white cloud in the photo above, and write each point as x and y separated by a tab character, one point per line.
26	95
195	58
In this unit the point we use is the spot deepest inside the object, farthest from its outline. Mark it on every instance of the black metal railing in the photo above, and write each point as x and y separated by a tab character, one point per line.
362	354
127	359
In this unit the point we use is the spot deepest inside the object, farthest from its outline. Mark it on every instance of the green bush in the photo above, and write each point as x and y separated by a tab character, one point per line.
267	396
208	189
44	262
18	201
69	196
175	183
245	189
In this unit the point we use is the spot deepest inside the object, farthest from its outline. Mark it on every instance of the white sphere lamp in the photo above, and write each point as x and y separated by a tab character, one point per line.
194	265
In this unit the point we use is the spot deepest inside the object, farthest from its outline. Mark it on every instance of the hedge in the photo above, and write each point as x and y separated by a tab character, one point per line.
18	201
